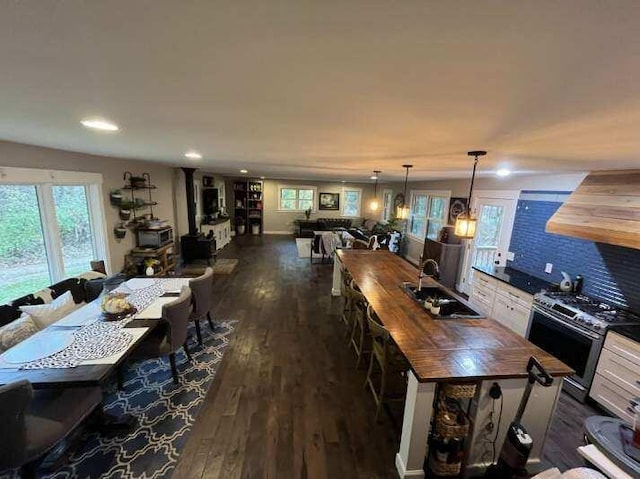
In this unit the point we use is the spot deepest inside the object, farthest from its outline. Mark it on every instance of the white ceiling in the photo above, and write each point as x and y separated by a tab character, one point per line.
329	90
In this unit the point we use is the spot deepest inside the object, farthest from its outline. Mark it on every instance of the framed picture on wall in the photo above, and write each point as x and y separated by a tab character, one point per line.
456	207
329	201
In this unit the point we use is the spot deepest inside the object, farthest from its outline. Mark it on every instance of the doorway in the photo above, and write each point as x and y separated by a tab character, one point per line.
495	211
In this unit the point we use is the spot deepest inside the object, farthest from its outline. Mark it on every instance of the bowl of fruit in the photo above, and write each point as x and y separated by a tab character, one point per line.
116	307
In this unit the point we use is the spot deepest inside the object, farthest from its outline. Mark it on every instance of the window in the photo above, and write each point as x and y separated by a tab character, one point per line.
49	229
294	198
428	213
387	205
351	201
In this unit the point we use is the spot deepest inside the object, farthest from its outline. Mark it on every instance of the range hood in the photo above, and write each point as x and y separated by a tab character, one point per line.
605	208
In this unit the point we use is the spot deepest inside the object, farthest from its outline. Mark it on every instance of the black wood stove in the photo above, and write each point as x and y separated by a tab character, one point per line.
195	245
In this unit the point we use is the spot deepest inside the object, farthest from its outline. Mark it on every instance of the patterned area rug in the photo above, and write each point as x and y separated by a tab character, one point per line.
165	412
221	266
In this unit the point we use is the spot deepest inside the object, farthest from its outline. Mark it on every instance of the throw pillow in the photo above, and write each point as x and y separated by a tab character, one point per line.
16	332
45	314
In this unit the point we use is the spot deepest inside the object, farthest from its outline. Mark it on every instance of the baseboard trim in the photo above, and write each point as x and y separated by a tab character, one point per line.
278	233
403	472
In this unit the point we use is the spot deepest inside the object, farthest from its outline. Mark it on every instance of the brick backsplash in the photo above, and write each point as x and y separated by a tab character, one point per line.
611	273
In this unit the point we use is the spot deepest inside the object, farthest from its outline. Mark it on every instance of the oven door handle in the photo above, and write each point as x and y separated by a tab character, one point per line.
547	315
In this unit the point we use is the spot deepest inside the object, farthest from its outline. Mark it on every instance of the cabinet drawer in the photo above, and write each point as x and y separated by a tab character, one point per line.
482	299
525	299
620	371
511	314
625	347
613	398
484	280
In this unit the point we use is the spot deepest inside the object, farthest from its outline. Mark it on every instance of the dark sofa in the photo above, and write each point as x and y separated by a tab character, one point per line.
328	224
82	290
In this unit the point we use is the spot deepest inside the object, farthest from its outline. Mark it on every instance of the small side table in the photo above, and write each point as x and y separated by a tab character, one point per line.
306	228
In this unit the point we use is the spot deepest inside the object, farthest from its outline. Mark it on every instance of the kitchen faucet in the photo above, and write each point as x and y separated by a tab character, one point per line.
423	266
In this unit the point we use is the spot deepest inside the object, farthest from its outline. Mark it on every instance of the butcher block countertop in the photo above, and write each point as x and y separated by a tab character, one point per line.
440	350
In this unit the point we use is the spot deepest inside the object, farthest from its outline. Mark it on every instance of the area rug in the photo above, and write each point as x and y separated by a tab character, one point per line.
165	412
221	266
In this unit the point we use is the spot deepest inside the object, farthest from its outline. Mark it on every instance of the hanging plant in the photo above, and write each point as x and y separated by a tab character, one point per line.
120	231
115	196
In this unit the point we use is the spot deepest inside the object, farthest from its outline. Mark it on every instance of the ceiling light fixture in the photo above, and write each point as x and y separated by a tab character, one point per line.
503	172
98	124
403	209
243	171
465	222
194	155
374	205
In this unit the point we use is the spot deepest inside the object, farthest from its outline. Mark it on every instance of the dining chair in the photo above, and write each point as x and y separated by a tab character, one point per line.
34	423
360	337
391	362
171	335
202	298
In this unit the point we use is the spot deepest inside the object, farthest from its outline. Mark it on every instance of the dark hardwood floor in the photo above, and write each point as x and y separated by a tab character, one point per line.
287	401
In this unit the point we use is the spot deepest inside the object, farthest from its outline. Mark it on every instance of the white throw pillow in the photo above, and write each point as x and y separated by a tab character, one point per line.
45	314
89	275
16	332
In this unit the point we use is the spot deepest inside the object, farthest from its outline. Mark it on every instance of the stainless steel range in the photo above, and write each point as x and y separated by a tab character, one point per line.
572	328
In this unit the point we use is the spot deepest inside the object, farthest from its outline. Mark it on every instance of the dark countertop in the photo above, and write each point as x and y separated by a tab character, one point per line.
439	350
523	281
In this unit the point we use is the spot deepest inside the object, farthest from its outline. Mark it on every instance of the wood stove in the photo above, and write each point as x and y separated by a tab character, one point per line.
195	245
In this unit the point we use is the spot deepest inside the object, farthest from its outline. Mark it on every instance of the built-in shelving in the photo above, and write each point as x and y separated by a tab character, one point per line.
248	206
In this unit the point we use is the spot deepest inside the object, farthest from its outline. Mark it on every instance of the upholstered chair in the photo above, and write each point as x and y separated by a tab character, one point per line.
202	297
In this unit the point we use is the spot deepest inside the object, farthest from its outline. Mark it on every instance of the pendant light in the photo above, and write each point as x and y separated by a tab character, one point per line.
465	222
374	205
403	210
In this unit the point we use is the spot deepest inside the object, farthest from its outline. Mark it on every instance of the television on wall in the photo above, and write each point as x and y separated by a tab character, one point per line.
210	201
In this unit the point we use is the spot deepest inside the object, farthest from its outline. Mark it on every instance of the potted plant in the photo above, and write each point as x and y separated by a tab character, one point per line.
120	231
138	181
435	306
307	213
126	207
152	266
115	196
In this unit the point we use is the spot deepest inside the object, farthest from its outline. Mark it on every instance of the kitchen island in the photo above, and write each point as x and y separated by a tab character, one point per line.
479	351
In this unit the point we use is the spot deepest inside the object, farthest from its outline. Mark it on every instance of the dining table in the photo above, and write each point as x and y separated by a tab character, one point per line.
84	348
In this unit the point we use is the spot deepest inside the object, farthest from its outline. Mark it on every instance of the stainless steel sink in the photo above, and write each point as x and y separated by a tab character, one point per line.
452	306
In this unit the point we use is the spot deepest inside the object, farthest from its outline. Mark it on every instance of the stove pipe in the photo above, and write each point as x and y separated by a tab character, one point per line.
191	200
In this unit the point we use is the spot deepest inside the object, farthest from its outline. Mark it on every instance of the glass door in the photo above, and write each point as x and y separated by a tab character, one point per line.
493	234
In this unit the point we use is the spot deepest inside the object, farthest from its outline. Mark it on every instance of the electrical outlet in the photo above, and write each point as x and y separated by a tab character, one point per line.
548	268
511	256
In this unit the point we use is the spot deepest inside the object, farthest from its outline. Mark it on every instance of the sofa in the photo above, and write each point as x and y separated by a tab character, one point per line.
328	224
17	325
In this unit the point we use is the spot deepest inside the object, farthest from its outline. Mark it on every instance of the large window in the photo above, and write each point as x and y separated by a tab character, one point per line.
428	213
48	231
351	201
296	198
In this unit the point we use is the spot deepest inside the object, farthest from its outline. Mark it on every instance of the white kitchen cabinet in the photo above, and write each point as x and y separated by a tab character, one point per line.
502	302
616	385
221	232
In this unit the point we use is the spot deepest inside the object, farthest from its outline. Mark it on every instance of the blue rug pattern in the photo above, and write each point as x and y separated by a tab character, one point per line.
165	412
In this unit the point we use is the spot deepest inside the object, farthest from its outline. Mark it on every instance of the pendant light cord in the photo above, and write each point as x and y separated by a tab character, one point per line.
473	177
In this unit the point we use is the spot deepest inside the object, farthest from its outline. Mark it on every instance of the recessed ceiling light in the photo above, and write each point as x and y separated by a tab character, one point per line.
98	124
503	172
194	155
343	181
262	177
243	171
374	177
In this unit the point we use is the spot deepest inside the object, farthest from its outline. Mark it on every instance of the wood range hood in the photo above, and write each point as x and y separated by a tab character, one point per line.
605	208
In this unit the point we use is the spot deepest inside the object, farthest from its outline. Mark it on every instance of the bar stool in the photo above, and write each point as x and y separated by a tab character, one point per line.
390	360
360	337
344	289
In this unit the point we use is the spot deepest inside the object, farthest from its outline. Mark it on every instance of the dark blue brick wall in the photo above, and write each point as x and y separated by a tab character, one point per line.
612	273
